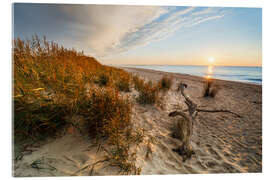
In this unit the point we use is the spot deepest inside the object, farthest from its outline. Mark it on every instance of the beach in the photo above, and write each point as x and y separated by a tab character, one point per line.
222	142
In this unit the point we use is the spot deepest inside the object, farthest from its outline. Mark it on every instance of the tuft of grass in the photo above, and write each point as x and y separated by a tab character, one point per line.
38	120
105	112
209	90
121	155
123	84
102	80
138	83
165	83
148	93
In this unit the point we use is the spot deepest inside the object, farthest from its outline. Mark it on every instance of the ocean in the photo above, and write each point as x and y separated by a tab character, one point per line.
232	73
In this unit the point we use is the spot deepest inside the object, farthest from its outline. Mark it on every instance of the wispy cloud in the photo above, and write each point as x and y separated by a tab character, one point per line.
107	30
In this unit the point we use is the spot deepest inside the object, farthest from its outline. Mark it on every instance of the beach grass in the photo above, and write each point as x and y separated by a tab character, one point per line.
49	85
209	88
148	92
165	83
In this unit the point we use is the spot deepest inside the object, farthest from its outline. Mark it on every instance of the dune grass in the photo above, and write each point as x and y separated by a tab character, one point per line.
105	112
165	83
209	88
49	85
149	91
123	84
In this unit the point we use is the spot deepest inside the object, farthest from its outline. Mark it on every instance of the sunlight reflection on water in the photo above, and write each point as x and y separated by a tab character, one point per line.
210	71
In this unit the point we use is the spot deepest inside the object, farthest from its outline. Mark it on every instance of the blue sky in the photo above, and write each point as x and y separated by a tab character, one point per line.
148	34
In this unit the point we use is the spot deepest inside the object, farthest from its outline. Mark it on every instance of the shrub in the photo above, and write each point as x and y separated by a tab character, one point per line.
209	90
165	83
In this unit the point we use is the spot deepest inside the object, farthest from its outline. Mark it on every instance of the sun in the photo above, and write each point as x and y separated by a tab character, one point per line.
211	59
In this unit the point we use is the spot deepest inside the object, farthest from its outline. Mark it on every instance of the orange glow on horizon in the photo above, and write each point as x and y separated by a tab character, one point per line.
179	61
208	77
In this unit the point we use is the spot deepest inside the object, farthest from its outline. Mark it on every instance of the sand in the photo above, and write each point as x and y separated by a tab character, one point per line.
223	142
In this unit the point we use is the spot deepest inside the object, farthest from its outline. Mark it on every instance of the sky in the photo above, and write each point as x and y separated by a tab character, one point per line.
148	35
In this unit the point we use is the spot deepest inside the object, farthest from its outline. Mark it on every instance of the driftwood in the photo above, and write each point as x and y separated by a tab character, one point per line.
188	120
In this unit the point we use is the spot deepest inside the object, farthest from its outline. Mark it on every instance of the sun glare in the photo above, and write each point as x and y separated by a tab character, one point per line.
211	59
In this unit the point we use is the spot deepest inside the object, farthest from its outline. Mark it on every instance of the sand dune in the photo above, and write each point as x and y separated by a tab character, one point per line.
223	143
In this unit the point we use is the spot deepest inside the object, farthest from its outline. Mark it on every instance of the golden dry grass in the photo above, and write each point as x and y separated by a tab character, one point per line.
49	86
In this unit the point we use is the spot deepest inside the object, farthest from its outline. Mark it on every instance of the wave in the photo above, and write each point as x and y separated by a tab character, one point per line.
254	79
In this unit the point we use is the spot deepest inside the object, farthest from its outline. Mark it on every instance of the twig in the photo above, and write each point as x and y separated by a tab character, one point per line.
93	166
219	110
89	165
178	113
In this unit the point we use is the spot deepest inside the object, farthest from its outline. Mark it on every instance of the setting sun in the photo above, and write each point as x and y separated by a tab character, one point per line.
211	59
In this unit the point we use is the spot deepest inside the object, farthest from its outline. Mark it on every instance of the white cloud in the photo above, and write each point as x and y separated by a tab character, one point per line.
106	30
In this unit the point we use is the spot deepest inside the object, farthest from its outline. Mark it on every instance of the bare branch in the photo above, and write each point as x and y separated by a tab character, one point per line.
218	110
178	113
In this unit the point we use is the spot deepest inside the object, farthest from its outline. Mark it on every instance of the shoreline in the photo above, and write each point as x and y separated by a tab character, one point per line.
184	74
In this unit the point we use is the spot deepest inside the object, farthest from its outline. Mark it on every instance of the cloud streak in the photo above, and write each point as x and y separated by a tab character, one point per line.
108	30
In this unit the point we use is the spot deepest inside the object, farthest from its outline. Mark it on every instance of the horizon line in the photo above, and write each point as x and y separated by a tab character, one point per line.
179	65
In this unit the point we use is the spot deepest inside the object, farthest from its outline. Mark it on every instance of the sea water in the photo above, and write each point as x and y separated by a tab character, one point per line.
233	73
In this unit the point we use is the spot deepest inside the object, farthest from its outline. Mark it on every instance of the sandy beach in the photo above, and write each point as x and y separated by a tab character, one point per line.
222	142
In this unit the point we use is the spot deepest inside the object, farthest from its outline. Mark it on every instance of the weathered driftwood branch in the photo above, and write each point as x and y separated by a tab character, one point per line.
218	110
186	150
